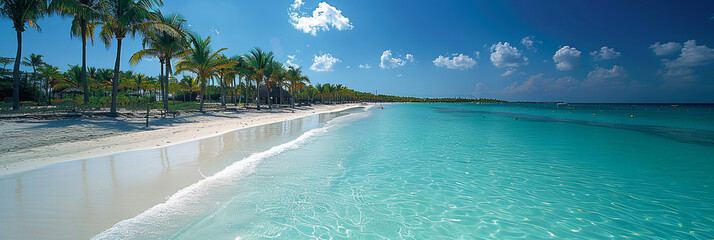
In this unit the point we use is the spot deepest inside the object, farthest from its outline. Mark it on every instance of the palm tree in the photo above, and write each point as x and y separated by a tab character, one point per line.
49	75
70	79
104	78
34	61
245	71
124	17
5	61
277	78
21	12
189	84
296	81
86	15
202	61
164	45
224	75
259	62
139	83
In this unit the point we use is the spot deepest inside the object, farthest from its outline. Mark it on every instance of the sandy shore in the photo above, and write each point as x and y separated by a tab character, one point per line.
30	144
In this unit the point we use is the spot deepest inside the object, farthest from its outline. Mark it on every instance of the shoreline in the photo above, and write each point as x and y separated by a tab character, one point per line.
128	138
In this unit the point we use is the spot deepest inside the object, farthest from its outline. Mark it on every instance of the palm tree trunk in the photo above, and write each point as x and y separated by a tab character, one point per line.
281	95
84	61
165	95
269	97
161	79
16	74
245	90
292	96
115	81
203	87
235	96
223	91
257	90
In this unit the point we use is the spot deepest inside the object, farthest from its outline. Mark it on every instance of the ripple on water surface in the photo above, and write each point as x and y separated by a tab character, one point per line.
416	172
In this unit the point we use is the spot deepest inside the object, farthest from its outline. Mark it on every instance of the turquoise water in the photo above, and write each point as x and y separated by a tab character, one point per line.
471	171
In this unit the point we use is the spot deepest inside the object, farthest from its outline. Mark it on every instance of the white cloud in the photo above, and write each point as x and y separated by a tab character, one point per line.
323	17
324	63
527	86
605	53
692	56
348	67
214	30
291	61
529	42
566	58
387	60
365	66
678	72
563	83
600	74
399	75
297	4
504	55
665	48
479	90
456	62
509	72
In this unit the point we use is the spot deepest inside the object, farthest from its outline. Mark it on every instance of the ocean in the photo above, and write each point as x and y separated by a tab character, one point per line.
460	171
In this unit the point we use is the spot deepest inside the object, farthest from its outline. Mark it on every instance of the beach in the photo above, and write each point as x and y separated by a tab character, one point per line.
419	171
30	144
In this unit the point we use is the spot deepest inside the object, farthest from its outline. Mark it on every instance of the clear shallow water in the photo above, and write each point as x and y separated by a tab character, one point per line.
447	171
79	199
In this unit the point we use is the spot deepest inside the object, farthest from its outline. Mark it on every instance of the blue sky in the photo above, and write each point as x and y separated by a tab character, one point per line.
574	51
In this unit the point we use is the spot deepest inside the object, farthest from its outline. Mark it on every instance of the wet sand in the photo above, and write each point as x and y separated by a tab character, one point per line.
78	199
30	144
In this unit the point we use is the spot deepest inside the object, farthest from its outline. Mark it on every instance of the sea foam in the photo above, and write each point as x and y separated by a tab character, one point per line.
190	203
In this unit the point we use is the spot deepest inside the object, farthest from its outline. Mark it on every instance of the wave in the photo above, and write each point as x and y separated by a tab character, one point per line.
191	202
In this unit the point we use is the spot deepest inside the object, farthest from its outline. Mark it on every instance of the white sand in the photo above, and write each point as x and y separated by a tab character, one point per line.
30	144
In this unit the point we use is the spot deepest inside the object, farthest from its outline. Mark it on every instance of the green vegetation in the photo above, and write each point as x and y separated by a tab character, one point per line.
249	79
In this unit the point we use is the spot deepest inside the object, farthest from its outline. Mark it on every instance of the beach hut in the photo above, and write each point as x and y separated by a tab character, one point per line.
71	90
274	95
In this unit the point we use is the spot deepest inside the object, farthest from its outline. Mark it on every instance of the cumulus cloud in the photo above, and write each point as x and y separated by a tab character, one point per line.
291	61
324	63
460	61
388	60
527	86
365	66
530	43
679	71
509	72
323	17
505	55
566	58
605	53
600	75
665	48
692	55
